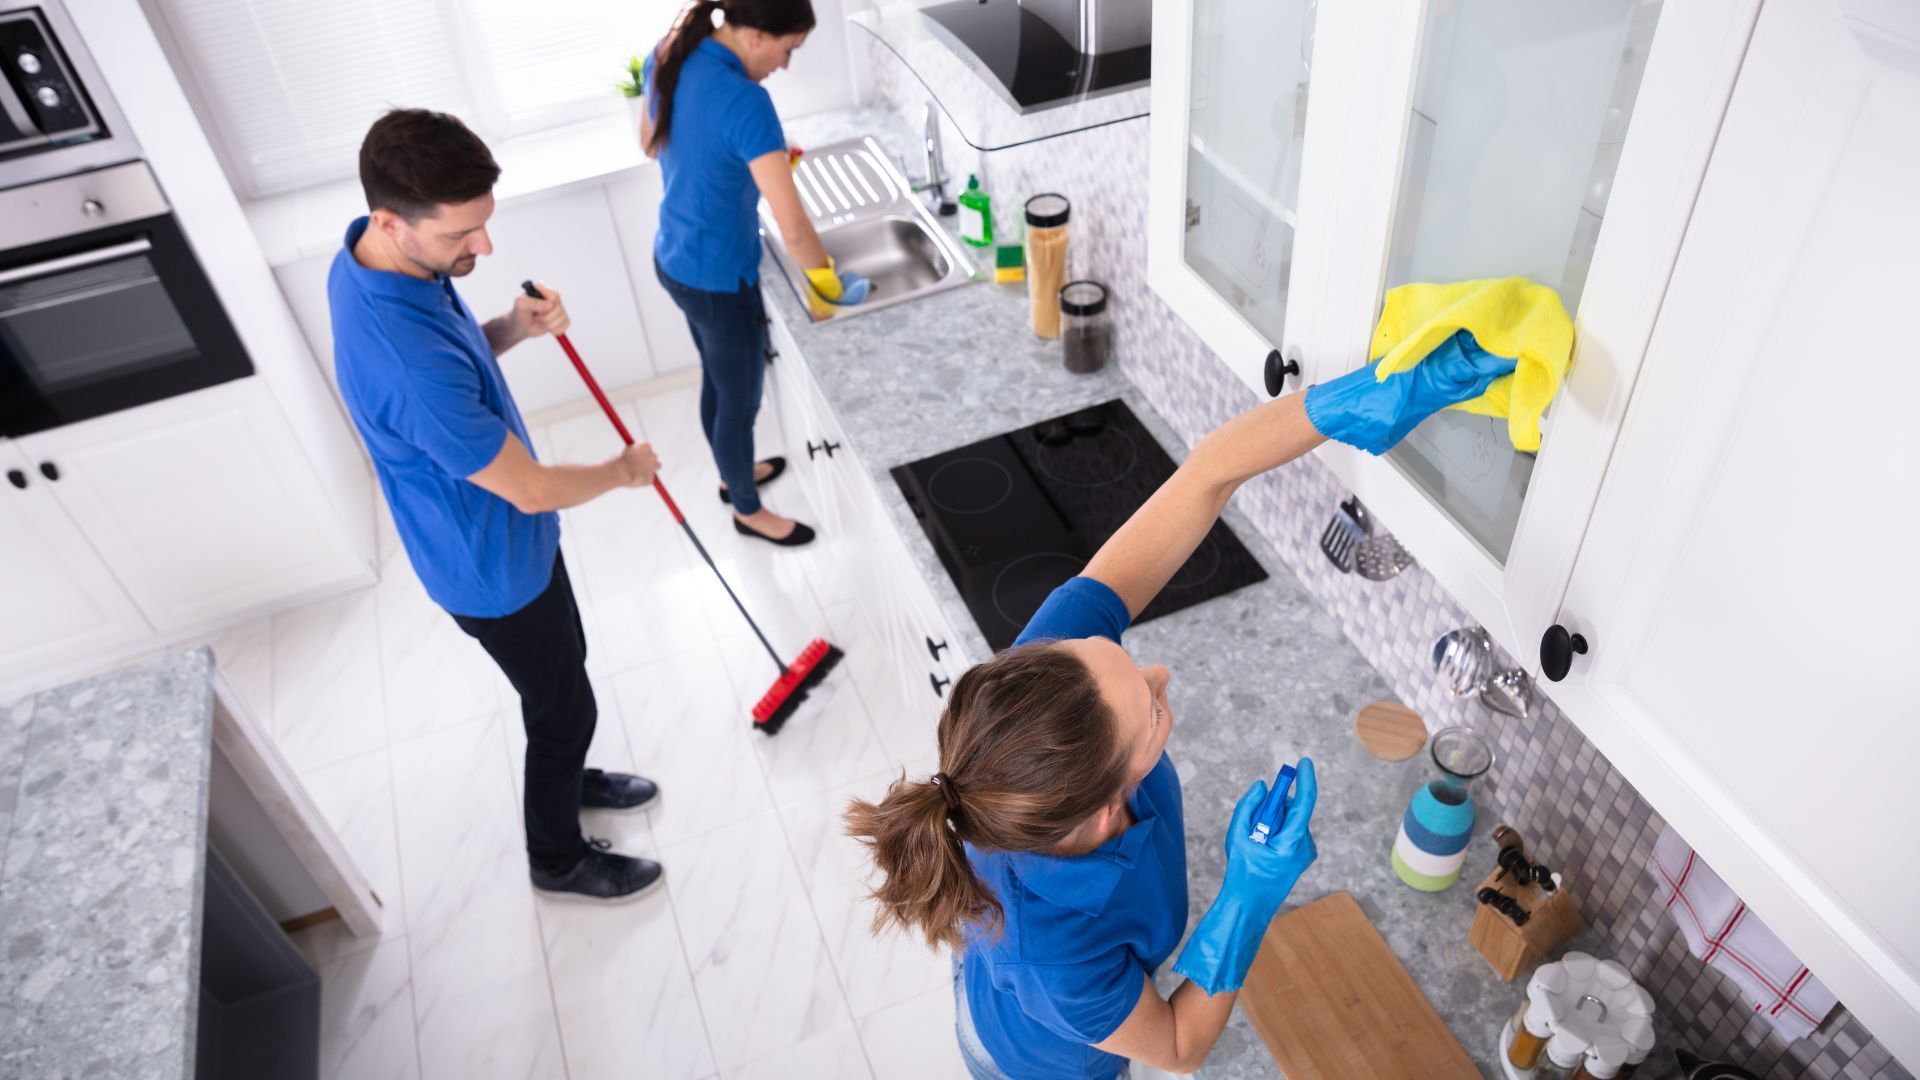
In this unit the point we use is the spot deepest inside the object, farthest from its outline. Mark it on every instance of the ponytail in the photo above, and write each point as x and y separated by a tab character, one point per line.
928	885
778	17
1029	751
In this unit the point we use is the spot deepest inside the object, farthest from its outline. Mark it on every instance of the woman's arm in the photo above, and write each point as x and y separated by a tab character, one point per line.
773	175
1139	559
1173	1033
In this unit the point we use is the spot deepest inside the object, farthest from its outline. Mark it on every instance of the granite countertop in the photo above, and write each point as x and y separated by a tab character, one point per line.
103	811
1261	675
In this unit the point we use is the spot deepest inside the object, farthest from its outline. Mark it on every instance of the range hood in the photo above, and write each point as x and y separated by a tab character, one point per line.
1046	53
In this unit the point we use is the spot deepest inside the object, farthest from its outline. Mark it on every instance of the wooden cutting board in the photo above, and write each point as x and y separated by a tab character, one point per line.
1330	1000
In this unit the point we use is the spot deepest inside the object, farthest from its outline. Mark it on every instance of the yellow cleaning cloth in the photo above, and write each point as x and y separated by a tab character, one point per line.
1510	317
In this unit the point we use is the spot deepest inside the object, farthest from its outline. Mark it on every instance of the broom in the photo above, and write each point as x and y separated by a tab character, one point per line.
797	678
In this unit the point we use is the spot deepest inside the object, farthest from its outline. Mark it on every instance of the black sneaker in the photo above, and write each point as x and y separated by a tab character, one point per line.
617	791
601	875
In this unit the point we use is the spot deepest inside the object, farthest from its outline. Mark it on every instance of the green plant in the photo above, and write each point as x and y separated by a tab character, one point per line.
634	84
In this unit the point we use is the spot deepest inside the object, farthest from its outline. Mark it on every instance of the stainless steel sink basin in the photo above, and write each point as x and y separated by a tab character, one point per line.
871	223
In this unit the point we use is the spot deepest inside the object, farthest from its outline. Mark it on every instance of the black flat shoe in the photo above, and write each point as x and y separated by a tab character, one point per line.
617	791
600	875
779	465
800	535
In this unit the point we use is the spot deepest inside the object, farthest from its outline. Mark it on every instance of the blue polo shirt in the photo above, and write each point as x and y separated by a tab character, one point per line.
709	238
423	387
1082	930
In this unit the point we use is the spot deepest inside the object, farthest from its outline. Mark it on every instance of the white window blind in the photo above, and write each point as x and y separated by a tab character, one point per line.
292	85
289	87
537	64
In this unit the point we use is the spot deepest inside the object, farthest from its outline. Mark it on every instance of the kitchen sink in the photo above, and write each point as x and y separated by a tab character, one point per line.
872	224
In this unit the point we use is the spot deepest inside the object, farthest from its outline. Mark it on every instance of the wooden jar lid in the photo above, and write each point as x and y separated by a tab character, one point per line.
1390	730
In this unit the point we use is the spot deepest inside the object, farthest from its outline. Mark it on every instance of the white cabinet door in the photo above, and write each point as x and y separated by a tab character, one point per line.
1272	156
61	601
1747	588
1560	142
203	505
634	199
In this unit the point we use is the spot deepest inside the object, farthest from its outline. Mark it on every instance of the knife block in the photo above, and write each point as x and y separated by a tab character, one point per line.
1511	949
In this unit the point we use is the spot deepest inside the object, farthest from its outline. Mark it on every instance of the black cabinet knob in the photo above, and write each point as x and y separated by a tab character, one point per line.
772	354
812	449
934	648
17	479
49	470
1557	650
939	684
829	447
1277	372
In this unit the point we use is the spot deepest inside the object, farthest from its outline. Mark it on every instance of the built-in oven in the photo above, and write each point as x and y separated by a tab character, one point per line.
103	305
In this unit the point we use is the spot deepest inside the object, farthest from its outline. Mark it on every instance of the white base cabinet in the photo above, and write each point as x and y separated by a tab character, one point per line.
920	656
61	600
148	525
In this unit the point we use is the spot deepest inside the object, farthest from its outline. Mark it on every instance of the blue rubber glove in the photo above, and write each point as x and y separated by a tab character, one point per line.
1258	879
853	289
1360	410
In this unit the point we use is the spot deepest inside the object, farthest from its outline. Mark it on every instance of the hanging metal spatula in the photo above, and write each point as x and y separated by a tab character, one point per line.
1348	528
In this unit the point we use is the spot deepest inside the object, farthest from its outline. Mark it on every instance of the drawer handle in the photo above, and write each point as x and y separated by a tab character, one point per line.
829	447
1277	372
49	470
939	684
1557	650
17	479
933	649
812	449
771	354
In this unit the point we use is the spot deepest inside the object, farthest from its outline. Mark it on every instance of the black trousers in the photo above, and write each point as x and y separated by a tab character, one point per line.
542	649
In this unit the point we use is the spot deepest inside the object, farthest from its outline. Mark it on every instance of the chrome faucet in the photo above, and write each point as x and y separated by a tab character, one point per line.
935	168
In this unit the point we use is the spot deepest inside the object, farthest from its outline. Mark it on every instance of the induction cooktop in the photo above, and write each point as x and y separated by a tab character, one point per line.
1013	516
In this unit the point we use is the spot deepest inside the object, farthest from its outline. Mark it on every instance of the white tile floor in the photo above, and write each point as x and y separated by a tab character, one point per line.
754	961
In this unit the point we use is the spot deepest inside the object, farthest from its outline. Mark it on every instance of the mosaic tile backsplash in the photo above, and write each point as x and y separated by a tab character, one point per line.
1548	781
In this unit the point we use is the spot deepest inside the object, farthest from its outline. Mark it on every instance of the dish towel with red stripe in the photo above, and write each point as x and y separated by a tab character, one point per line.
1721	930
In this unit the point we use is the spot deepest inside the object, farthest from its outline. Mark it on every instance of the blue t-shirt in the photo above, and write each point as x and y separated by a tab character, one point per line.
1081	931
722	120
423	387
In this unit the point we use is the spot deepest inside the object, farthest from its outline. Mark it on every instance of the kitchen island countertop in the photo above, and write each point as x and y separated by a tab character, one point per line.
103	816
1261	675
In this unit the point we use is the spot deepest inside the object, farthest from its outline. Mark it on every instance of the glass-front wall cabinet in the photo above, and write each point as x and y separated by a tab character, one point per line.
1514	134
1246	127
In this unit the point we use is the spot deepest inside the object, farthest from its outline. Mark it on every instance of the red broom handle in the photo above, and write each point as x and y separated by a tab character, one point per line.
593	385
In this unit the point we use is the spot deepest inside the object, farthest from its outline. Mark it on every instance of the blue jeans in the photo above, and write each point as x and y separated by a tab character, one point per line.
980	1063
730	331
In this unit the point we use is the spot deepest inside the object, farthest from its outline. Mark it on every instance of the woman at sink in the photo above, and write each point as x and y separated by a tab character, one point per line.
712	127
1049	850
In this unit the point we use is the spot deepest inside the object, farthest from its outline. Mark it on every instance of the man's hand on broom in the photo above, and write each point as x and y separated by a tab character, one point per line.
640	464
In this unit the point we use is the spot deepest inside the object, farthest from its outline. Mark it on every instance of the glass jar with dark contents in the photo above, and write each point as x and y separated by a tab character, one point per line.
1086	333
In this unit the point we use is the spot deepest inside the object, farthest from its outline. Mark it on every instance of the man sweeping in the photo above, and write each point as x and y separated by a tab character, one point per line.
475	511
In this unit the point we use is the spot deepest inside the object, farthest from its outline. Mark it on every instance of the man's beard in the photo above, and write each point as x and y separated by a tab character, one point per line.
460	267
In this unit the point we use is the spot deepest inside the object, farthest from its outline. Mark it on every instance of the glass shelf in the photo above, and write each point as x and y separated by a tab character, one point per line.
971	90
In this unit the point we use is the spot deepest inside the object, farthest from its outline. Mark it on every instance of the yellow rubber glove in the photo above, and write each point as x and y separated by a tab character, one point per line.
825	280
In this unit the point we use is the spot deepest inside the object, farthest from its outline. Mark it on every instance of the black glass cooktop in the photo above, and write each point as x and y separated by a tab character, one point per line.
1015	515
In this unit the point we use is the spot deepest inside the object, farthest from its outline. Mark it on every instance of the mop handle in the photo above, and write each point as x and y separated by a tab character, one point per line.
593	386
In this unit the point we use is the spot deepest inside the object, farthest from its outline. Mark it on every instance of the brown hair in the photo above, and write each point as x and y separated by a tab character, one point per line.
1028	751
413	160
776	17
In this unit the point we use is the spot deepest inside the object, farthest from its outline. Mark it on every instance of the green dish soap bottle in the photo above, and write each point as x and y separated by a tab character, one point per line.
976	214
